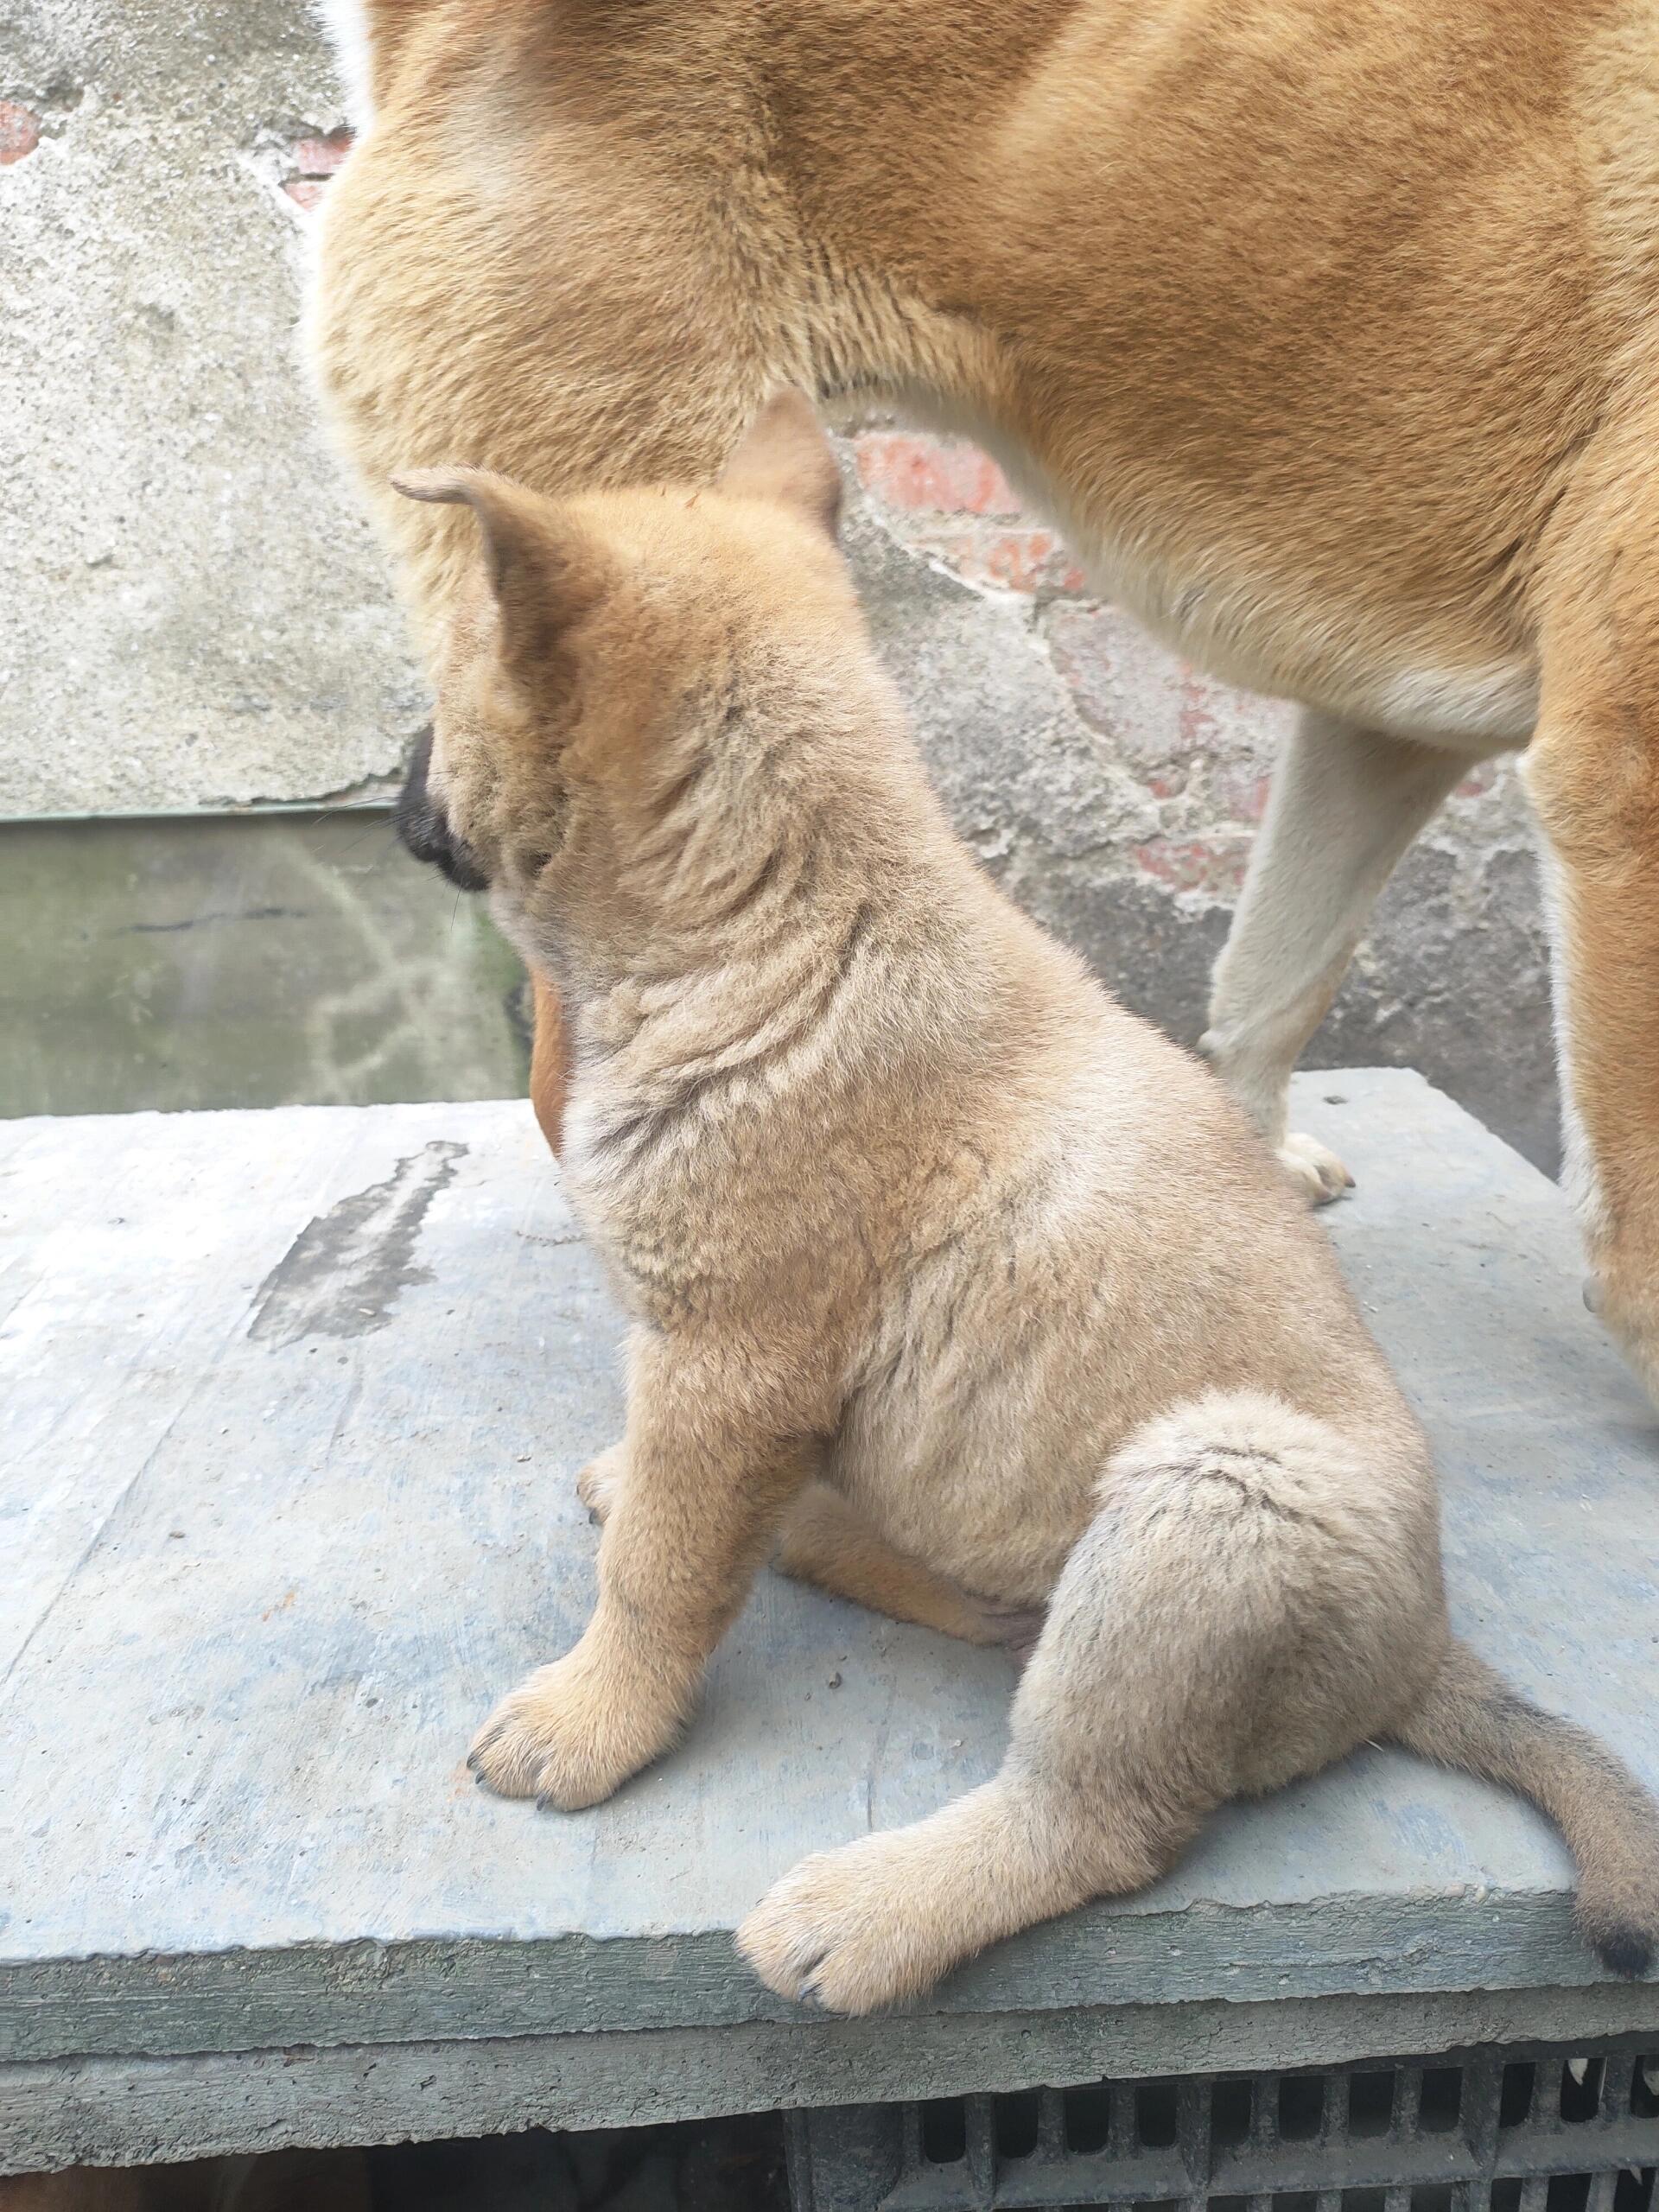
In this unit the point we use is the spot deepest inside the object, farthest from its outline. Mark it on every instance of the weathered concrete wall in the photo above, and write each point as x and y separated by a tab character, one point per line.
1116	792
270	960
196	615
194	612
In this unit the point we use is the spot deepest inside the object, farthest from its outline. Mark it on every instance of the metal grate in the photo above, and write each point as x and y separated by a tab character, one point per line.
1510	2130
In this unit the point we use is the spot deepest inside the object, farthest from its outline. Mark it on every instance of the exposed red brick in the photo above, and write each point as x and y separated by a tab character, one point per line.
315	160
1212	865
321	156
924	475
1124	684
1156	709
1240	786
20	131
1016	560
1065	574
1020	558
1199	723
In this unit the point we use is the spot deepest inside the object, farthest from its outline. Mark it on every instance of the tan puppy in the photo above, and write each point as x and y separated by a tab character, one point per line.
970	1289
1329	333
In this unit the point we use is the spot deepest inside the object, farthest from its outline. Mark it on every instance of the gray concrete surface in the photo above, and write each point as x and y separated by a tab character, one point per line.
197	617
308	1509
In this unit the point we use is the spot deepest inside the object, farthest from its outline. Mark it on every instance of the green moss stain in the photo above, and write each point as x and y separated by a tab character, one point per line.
246	961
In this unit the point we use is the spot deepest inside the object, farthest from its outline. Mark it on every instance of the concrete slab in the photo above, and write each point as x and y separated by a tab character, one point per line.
292	1401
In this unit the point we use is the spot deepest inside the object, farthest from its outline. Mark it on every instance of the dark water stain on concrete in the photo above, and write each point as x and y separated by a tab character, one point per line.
342	1275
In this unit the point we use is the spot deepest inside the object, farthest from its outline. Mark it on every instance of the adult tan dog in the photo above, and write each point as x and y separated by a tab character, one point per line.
1330	334
971	1290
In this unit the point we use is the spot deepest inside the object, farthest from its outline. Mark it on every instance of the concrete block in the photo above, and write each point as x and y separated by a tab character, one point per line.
294	1402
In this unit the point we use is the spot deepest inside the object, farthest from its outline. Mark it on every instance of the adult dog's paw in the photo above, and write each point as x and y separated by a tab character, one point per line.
848	1929
1623	1298
567	1738
1314	1169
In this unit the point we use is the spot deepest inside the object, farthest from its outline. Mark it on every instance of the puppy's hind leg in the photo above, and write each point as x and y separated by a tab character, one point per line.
826	1541
1208	1636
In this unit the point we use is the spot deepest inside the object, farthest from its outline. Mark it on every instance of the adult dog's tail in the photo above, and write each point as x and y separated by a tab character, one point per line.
1470	1718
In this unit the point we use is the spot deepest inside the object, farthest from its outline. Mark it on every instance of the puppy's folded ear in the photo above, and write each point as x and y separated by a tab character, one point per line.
546	569
786	457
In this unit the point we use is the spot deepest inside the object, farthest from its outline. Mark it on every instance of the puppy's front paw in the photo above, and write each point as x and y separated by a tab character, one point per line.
848	1929
599	1482
1315	1170
567	1738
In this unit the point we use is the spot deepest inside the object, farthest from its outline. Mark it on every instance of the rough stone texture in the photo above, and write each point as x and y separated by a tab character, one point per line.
135	2110
1115	790
308	1508
197	614
262	960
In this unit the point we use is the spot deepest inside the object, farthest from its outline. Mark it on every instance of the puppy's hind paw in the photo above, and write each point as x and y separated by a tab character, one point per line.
846	1929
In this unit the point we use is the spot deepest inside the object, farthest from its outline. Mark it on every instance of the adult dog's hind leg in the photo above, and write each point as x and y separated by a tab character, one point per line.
1593	774
1202	1639
1345	803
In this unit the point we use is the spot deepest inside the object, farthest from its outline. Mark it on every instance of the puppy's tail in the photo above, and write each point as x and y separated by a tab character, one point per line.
1471	1719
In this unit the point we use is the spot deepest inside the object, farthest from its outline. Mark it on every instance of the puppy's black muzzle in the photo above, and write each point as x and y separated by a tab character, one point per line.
424	827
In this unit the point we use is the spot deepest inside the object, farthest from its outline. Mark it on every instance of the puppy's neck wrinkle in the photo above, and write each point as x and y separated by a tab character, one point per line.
709	1006
791	1041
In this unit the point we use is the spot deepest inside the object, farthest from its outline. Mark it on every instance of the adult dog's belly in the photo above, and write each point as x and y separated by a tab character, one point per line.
1248	596
1293	331
1333	645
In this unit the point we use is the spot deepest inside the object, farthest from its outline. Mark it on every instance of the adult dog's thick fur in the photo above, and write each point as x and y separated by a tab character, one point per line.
1329	333
969	1292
